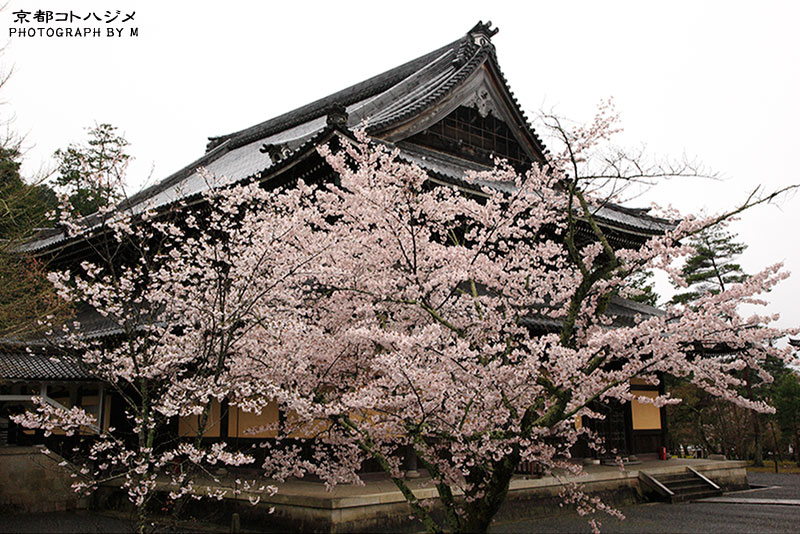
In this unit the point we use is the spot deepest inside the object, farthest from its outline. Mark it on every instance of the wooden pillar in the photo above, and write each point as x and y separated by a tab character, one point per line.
101	410
223	418
629	441
664	428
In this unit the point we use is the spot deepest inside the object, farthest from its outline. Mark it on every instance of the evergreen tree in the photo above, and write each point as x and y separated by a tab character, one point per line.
642	282
787	410
23	207
713	266
25	293
91	174
712	269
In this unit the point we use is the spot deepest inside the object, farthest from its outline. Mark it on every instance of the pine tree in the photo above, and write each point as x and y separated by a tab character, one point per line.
642	283
713	267
787	406
104	158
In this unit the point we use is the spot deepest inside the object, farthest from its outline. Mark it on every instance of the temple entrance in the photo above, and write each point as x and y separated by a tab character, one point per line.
613	430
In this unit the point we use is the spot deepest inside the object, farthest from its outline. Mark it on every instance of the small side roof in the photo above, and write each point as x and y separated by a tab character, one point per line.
18	364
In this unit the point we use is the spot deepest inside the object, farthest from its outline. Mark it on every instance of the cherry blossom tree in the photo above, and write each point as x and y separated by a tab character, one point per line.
384	313
182	298
419	326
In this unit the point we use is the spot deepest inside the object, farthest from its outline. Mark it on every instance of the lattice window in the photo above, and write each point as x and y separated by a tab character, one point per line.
465	133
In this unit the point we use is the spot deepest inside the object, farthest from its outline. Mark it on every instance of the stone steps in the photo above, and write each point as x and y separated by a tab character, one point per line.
681	487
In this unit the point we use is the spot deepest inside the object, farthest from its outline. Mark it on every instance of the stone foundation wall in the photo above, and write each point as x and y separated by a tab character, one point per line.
31	481
730	476
306	508
527	498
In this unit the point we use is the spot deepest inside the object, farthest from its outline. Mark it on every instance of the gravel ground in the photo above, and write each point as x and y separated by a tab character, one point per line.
82	522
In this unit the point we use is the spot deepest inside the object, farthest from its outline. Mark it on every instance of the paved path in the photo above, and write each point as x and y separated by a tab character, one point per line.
739	500
747	512
778	486
689	518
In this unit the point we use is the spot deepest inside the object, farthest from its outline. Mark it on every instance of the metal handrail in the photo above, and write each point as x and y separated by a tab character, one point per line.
661	487
52	402
707	480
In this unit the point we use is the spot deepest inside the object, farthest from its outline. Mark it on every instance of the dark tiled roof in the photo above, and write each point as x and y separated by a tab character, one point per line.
380	103
623	311
427	86
93	325
296	126
17	364
620	307
347	97
36	359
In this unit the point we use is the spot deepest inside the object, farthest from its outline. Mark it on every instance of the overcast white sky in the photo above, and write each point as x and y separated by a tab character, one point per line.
715	80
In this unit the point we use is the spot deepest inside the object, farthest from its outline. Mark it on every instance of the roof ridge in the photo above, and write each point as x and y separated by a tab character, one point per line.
399	103
174	178
349	95
462	72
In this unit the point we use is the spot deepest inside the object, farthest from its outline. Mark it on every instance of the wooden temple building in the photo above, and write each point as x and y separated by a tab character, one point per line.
449	111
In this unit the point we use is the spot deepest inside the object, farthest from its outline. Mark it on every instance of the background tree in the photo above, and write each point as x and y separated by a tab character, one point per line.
643	288
787	408
91	174
25	293
712	267
709	270
23	207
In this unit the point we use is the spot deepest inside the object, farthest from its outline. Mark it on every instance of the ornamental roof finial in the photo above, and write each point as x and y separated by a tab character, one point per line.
337	115
482	33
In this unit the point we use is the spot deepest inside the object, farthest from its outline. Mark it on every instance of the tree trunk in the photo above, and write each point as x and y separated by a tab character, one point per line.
479	513
708	444
797	448
775	447
758	453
